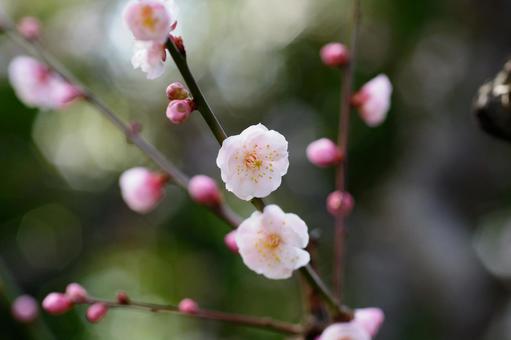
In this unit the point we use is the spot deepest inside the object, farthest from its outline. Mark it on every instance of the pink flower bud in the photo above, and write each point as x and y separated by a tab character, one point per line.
177	91
340	203
230	242
188	306
24	309
203	190
76	293
178	111
57	303
324	153
370	319
373	100
142	189
149	20
334	54
30	28
123	298
96	312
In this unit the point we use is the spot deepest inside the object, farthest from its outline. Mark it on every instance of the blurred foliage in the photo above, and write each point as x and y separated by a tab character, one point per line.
425	182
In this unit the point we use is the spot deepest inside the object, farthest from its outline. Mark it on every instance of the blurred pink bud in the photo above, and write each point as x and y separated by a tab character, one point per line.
149	20
188	306
230	242
142	189
76	293
30	28
204	190
177	91
370	319
334	54
178	111
24	308
123	298
37	86
96	312
373	100
324	153
340	203
57	303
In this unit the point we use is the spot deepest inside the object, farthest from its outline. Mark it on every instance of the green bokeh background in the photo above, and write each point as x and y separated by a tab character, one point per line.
429	237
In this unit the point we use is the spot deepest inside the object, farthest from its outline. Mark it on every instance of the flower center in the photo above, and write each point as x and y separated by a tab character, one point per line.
272	241
251	161
148	19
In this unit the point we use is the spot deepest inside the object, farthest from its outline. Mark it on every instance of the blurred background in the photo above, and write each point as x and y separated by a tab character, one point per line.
429	241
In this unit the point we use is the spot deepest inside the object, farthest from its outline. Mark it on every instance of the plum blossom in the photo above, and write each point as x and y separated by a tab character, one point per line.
370	319
38	86
364	326
149	57
142	189
76	293
150	20
271	243
252	163
373	100
345	331
188	306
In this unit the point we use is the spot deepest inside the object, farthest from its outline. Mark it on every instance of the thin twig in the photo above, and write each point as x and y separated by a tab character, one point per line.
344	121
232	318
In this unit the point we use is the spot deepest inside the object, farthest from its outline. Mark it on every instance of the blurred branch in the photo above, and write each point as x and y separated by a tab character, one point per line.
238	319
344	122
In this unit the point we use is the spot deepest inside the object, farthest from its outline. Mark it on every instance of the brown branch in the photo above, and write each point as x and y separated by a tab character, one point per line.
344	122
206	314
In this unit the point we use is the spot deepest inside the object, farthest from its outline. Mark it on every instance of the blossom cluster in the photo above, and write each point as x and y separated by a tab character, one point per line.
252	165
150	22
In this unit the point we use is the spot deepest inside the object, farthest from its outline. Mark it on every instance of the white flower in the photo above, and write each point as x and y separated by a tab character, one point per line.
271	243
345	331
149	57
252	163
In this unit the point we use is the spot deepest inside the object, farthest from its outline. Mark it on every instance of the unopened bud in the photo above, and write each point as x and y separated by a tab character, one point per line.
57	303
29	28
24	309
340	203
122	298
178	111
230	242
76	293
334	54
177	91
324	153
204	190
188	306
96	312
